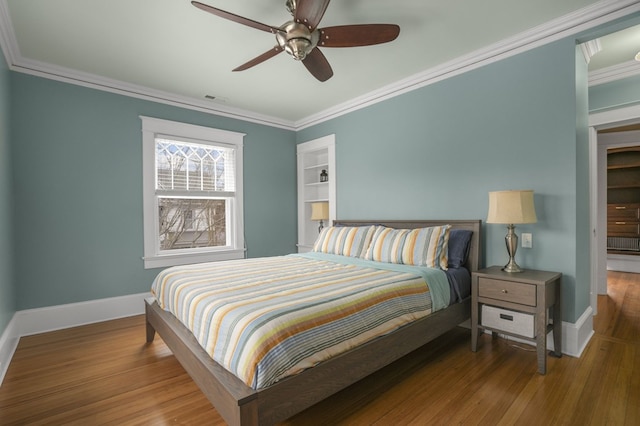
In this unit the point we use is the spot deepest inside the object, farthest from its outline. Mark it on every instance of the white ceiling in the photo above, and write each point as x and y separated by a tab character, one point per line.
170	50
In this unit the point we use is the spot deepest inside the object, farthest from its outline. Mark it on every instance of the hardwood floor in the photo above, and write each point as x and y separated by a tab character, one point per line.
105	374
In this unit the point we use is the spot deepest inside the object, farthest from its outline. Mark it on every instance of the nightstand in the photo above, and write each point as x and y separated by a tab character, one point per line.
518	304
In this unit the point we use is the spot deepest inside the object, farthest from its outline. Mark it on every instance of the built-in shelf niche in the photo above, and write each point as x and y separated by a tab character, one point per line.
314	157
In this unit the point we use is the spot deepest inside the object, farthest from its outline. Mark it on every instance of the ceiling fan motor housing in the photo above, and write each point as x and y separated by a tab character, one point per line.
297	40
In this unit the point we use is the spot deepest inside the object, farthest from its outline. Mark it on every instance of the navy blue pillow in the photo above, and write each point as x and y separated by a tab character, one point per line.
459	240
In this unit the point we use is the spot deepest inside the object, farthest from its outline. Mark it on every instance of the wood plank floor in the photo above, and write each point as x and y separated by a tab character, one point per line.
105	374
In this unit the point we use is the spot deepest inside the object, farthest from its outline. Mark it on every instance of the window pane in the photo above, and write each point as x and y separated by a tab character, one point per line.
194	167
164	166
192	223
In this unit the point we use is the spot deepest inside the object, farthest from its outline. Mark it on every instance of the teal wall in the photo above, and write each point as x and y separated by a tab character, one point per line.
70	166
77	159
7	299
437	151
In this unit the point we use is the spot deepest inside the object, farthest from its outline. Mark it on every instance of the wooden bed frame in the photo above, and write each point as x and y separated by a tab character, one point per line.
238	404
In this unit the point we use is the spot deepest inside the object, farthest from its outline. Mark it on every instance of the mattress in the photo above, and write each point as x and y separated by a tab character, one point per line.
268	318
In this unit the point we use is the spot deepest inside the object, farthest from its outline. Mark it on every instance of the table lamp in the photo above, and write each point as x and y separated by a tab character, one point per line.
511	208
320	212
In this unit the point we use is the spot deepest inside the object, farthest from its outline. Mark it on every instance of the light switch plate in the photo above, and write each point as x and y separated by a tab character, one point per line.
527	240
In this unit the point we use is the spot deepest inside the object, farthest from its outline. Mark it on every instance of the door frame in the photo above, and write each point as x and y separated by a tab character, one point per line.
599	121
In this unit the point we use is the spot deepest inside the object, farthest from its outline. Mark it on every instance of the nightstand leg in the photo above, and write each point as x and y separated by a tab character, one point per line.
557	322
541	332
474	327
541	342
474	339
474	314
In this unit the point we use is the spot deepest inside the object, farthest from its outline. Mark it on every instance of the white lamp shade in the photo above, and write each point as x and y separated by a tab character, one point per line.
320	211
511	207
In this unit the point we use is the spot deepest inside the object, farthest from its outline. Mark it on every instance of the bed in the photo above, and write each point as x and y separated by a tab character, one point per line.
240	402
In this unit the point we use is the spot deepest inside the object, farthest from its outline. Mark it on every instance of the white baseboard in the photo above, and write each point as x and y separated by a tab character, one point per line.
575	337
8	344
41	320
620	262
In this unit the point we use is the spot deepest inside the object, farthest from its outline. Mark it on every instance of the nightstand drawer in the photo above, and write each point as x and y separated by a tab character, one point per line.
524	294
510	321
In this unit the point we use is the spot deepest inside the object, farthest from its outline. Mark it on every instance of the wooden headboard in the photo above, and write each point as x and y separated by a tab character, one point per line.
473	261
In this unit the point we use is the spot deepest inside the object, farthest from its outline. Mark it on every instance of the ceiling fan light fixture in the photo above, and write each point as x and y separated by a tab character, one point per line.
298	48
296	40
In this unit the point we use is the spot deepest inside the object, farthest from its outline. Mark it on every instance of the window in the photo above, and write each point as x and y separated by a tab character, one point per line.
192	184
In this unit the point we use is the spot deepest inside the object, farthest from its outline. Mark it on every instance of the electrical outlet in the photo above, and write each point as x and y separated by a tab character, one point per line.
527	240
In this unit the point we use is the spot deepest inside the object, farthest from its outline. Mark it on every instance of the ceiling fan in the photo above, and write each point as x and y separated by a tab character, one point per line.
301	36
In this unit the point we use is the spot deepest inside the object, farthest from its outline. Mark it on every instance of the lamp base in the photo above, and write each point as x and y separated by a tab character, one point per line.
511	240
512	267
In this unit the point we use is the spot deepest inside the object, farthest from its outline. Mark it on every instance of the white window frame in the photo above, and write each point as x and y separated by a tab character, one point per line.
153	257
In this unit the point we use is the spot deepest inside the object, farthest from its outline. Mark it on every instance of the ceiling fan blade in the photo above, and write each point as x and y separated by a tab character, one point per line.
358	35
236	18
310	12
318	65
259	59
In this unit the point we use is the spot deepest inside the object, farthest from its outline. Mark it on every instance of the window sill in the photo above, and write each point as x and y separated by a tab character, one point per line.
166	260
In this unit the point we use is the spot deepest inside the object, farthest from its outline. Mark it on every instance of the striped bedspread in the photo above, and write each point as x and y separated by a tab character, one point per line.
267	318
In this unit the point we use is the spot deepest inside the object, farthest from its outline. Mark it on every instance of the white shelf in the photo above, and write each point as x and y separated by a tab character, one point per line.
317	166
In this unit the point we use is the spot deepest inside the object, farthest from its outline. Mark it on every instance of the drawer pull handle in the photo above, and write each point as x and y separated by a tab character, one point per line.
504	291
621	223
506	317
621	208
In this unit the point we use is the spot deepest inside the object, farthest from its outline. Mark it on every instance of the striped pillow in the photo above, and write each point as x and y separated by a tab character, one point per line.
351	241
387	245
427	247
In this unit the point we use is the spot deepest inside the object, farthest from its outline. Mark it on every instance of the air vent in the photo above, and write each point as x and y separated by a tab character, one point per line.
216	98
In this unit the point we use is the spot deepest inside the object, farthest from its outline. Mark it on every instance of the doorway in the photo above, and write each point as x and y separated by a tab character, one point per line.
619	186
597	176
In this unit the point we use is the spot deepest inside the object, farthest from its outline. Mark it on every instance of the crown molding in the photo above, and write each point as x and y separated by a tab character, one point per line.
597	14
571	24
93	81
617	72
590	48
16	62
